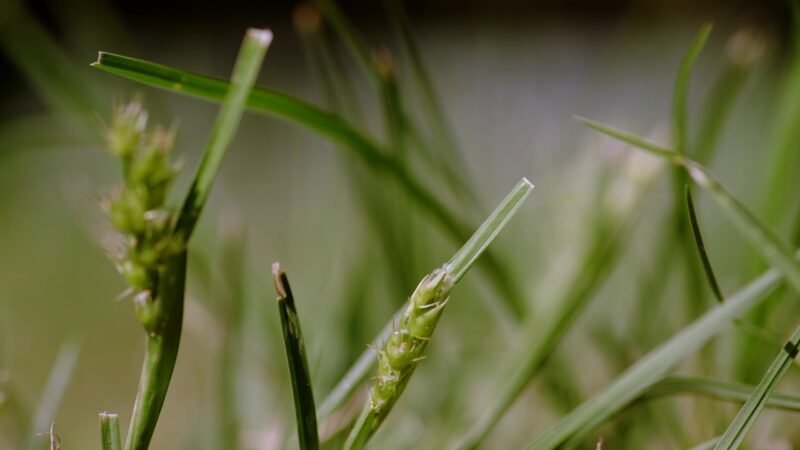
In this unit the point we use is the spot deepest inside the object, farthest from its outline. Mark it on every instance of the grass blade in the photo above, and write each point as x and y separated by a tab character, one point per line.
738	429
166	321
325	123
109	431
595	270
54	390
298	362
701	248
248	64
640	377
489	229
406	345
771	246
681	92
722	390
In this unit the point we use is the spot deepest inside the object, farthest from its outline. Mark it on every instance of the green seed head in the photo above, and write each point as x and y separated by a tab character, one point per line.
127	129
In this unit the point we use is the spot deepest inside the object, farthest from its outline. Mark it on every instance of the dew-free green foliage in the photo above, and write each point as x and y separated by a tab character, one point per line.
599	323
298	362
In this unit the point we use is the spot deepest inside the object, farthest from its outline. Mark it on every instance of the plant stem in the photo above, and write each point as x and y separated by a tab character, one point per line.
160	353
109	430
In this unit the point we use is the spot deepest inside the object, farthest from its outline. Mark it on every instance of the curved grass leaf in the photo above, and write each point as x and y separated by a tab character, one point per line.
744	420
771	246
701	248
326	123
721	390
298	363
681	92
646	372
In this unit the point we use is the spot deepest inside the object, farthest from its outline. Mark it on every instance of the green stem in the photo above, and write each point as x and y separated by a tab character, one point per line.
161	351
109	430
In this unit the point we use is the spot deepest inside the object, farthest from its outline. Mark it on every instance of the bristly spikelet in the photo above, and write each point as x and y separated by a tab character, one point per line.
404	349
137	209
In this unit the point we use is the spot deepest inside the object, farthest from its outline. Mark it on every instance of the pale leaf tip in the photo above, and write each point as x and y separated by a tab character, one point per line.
262	35
277	276
527	183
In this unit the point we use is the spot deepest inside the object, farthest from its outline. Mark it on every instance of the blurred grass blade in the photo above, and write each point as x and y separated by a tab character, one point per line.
248	64
721	390
298	363
489	229
54	390
596	268
359	49
726	89
628	138
450	159
707	445
681	92
738	429
771	247
51	73
109	431
358	371
646	372
330	125
701	248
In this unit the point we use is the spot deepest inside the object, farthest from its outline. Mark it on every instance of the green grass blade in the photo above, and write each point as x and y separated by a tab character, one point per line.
681	92
640	377
451	160
359	50
489	229
327	124
54	390
707	445
771	246
248	64
109	431
701	248
628	138
298	363
738	429
421	316
721	390
593	272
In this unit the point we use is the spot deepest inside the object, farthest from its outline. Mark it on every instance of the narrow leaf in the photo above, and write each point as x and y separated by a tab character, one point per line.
248	64
298	363
701	248
681	91
738	429
54	390
656	364
323	122
722	390
771	246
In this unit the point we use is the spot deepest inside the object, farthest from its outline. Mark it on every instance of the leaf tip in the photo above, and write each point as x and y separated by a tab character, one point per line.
261	35
278	277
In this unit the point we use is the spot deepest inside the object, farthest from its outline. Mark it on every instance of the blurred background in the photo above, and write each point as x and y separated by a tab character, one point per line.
509	76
